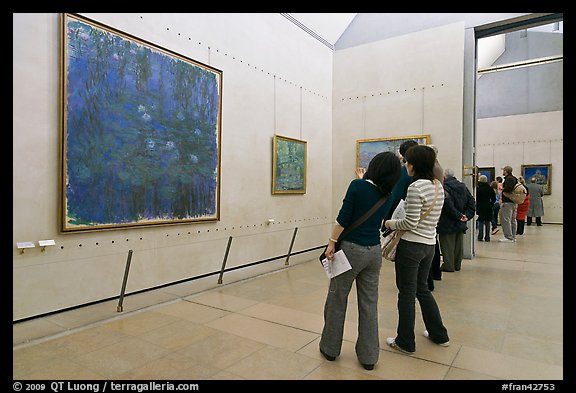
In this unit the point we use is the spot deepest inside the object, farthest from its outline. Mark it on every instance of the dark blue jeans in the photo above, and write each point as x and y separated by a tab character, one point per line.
495	213
483	225
412	266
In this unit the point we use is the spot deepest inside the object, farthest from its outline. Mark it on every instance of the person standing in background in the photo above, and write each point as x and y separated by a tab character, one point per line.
536	208
496	208
522	209
459	207
485	199
508	209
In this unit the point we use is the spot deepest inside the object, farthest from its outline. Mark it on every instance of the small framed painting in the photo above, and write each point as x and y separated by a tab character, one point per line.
366	149
541	173
289	166
488	171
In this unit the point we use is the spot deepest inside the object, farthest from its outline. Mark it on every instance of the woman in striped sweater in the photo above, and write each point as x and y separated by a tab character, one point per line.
415	251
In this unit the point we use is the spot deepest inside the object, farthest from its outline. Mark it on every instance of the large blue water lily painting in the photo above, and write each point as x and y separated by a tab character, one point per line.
140	130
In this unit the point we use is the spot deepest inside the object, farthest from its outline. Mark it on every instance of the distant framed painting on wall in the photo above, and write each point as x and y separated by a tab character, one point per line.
140	131
289	166
366	149
488	171
542	173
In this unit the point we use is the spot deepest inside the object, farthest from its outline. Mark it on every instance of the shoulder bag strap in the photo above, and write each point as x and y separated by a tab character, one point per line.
363	218
400	233
423	216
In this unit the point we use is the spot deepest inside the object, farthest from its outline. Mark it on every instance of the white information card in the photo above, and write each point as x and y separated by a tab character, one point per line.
338	265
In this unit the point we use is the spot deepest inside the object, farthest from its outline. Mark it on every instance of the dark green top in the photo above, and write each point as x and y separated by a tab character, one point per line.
360	197
398	192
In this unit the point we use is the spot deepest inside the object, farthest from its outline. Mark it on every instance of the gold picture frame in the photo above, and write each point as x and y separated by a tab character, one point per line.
542	173
141	131
488	171
366	149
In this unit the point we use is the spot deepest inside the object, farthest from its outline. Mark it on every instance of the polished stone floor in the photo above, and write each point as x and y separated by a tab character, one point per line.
503	311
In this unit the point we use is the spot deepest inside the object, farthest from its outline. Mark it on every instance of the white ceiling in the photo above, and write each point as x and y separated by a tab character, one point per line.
329	26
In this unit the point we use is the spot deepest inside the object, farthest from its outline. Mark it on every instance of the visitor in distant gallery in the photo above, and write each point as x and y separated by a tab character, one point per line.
508	209
539	176
496	208
415	250
536	208
485	199
459	207
522	209
362	248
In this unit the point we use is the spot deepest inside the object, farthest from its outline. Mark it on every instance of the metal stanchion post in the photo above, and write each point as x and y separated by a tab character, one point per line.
126	270
291	245
224	261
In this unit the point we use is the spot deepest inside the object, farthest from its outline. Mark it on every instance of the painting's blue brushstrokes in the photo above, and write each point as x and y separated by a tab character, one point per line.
539	172
141	132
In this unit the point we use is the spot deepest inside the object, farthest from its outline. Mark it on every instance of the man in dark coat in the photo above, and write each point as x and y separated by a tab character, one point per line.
459	207
485	199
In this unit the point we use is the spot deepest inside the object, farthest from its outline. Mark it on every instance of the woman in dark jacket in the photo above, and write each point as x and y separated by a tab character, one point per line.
485	199
459	207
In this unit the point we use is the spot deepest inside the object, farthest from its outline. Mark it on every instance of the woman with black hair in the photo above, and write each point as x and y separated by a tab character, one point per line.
362	248
415	251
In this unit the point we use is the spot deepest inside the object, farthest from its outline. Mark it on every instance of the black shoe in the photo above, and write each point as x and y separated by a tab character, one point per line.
328	357
430	288
438	278
368	366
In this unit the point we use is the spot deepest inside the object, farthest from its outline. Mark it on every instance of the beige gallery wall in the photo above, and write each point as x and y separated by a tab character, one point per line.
276	80
403	86
528	139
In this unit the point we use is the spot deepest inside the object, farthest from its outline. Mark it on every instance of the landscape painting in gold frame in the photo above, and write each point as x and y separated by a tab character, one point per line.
366	149
289	166
542	173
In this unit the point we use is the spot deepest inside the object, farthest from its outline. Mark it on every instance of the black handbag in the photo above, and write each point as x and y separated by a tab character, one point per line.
353	226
